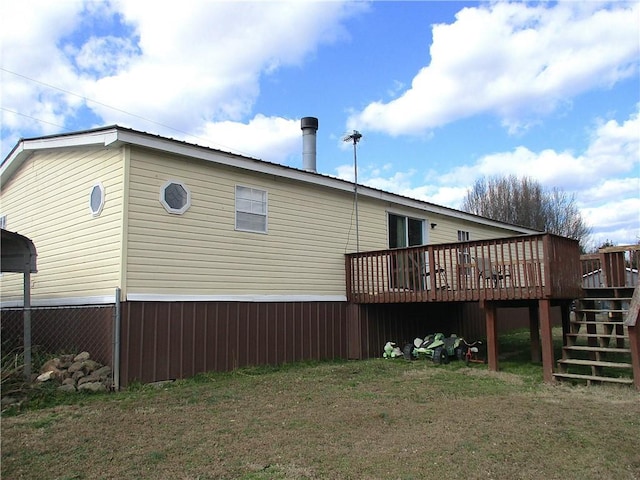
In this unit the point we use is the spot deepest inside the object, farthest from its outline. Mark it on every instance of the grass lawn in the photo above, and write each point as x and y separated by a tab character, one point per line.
373	419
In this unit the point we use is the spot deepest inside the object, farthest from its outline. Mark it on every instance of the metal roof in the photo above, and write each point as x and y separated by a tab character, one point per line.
18	253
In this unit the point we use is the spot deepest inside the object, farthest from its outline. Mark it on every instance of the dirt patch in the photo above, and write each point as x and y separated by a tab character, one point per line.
510	378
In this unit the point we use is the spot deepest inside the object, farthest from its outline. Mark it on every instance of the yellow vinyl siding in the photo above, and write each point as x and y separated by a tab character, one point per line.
310	228
47	200
200	252
446	230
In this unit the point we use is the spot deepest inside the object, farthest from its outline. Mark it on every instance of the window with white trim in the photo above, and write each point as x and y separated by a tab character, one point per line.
251	209
463	236
464	257
405	231
96	199
175	197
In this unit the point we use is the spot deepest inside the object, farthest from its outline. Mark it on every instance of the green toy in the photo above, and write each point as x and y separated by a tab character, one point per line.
437	347
391	350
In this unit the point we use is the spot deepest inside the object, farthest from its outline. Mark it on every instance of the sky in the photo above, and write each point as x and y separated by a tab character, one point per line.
443	93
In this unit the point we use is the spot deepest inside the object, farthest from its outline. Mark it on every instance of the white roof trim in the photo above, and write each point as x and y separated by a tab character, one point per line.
115	136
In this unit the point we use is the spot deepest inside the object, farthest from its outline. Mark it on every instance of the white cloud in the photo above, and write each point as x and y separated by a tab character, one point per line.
513	60
346	172
266	138
613	151
168	65
614	214
101	56
616	146
29	47
203	63
601	179
402	183
612	188
617	220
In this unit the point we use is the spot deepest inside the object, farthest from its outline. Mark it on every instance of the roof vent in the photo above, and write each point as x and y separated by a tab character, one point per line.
309	126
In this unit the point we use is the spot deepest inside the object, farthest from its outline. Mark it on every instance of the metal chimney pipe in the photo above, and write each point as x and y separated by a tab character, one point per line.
309	126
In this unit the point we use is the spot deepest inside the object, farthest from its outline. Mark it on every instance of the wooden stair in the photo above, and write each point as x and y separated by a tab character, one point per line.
597	347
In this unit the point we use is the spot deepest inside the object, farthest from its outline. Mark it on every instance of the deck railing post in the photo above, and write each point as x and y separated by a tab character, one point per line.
547	253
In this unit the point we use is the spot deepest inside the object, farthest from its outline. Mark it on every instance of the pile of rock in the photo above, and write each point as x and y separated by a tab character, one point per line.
77	373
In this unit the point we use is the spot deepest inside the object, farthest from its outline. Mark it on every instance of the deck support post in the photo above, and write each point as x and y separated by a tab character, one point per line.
354	332
634	343
534	333
544	311
492	334
565	313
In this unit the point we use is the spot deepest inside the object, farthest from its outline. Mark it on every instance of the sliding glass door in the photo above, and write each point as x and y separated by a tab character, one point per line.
407	270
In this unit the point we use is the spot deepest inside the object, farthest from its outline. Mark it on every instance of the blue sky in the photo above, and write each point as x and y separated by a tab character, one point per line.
442	92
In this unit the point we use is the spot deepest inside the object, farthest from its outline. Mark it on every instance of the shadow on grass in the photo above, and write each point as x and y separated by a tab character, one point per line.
514	353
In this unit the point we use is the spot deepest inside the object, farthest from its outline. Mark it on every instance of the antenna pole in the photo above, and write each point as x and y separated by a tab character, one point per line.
355	138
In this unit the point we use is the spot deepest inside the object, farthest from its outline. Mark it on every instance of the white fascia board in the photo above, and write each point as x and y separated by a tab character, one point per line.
155	297
100	138
251	298
25	148
62	302
17	156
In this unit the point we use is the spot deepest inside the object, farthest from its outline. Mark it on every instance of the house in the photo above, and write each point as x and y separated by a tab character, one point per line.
595	278
220	260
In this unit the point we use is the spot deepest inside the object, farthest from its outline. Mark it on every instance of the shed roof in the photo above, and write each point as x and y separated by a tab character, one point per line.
18	253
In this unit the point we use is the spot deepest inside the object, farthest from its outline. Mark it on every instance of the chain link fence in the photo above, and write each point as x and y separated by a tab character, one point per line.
64	332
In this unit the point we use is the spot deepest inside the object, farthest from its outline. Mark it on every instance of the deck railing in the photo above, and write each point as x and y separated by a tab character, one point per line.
513	268
611	267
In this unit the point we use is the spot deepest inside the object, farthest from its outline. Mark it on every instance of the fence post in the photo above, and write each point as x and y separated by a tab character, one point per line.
116	342
27	323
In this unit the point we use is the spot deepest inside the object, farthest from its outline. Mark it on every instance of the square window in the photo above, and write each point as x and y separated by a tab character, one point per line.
251	209
463	236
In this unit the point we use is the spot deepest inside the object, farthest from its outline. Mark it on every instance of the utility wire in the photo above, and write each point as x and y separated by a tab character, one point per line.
86	99
34	118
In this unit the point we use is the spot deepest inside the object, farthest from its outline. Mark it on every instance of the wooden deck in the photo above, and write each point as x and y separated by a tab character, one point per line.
602	343
528	267
536	271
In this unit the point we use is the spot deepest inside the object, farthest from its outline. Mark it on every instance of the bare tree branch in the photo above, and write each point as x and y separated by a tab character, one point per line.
523	202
